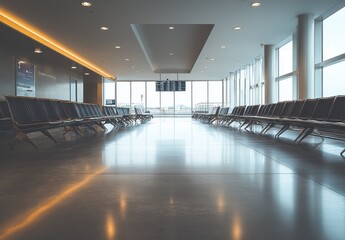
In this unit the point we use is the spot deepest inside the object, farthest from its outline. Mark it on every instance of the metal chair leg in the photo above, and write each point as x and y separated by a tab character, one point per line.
342	153
319	134
305	134
281	131
20	136
46	133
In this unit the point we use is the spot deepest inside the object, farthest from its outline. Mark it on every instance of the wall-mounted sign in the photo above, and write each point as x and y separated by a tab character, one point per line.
25	79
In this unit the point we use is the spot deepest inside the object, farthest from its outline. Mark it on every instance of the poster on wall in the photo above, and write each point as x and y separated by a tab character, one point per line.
25	79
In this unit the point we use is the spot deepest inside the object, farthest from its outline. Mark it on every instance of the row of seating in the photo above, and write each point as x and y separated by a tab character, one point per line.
30	114
211	115
309	115
142	116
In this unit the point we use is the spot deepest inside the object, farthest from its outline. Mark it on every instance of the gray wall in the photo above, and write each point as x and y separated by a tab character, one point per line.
51	80
7	74
53	71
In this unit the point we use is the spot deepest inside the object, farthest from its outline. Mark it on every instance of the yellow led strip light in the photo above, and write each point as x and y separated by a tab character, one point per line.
25	28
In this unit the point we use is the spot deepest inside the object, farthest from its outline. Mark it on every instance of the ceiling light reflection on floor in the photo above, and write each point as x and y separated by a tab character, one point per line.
37	212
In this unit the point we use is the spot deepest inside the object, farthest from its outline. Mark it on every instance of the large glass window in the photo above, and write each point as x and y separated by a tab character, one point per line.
285	58
108	91
123	94
232	90
285	72
242	87
334	35
283	85
334	80
143	94
200	97
183	100
138	95
153	99
214	93
167	103
332	63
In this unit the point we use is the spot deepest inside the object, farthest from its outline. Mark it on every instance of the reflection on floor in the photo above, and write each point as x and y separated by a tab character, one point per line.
172	179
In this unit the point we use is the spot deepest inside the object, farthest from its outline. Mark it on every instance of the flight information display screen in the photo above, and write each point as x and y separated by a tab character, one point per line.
170	86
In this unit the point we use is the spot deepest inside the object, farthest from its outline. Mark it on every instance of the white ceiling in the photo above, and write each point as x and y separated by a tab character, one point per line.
78	28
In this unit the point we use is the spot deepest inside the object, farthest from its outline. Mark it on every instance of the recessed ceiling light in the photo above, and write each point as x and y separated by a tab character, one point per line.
86	4
171	54
117	46
223	46
171	28
212	59
104	28
38	50
237	28
73	67
127	59
256	4
87	74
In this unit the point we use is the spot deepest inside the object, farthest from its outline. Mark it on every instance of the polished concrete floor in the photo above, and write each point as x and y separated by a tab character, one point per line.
172	179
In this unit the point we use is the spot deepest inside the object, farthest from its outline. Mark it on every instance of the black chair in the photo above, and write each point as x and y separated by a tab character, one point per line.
27	121
293	114
5	117
320	113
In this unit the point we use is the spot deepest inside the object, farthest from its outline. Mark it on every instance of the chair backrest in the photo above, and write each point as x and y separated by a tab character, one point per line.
232	112
49	109
60	109
286	109
217	110
89	110
18	110
247	111
269	110
322	108
98	110
4	110
261	110
278	109
241	110
106	111
125	111
81	110
71	110
120	111
337	112
296	109
113	111
223	111
307	109
35	109
254	110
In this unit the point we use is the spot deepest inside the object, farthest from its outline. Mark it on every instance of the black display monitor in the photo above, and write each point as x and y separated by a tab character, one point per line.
110	102
170	86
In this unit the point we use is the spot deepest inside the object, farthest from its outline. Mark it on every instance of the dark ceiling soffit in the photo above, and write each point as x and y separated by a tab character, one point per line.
139	34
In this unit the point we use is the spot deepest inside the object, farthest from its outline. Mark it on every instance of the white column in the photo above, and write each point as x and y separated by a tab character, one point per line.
305	56
269	63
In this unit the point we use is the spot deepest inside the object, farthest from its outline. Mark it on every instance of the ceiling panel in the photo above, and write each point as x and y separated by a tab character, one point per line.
78	28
